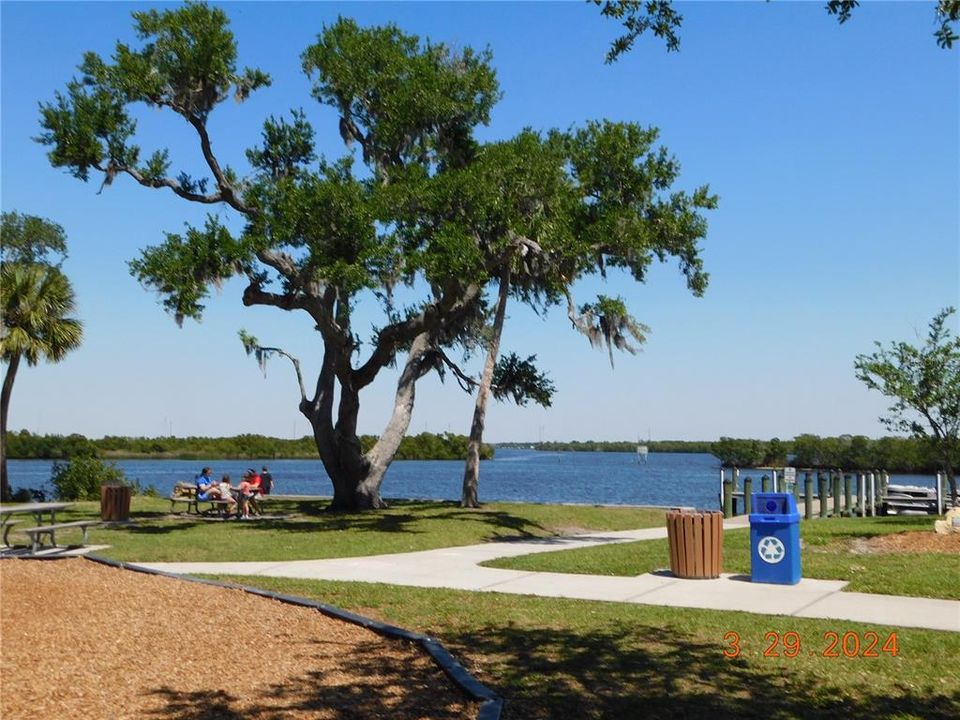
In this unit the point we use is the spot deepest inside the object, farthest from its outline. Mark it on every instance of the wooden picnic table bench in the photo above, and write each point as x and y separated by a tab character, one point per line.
187	493
36	533
39	510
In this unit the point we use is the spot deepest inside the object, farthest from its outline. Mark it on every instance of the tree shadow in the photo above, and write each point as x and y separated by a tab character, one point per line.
506	526
158	529
658	673
363	685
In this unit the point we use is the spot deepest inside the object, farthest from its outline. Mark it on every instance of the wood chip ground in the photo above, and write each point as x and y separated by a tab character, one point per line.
81	640
915	542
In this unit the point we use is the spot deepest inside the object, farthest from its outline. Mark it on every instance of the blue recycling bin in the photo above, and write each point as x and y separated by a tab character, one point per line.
775	539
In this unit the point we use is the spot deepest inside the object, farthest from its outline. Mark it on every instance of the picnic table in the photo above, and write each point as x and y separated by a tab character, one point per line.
39	510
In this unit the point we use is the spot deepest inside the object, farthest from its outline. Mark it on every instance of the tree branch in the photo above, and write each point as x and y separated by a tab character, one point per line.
160	183
465	381
227	191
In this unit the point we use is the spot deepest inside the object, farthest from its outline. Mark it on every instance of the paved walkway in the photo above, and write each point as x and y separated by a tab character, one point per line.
457	568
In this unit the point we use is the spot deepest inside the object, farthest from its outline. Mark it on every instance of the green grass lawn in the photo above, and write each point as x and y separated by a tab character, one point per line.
832	549
555	658
309	533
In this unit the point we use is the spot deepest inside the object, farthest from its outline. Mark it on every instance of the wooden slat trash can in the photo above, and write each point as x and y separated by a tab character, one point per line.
115	503
696	543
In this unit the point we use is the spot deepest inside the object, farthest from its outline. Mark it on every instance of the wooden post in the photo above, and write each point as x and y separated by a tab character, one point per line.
727	498
765	484
939	496
848	495
808	496
824	500
723	475
736	484
796	491
836	494
747	495
872	493
861	500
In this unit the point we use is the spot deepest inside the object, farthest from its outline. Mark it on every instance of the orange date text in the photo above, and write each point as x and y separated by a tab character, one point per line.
831	645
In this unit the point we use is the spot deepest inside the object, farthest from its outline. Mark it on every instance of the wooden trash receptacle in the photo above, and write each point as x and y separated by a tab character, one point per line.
696	543
115	502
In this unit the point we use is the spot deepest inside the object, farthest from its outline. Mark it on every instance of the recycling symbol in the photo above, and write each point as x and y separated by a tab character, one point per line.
771	550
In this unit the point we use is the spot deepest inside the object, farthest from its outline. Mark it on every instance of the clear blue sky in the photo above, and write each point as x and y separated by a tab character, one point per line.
834	151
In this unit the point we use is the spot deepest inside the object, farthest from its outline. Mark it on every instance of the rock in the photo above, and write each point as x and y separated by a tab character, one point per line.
950	523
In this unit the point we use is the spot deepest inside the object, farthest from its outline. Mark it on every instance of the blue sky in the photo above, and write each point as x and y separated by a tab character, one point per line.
834	151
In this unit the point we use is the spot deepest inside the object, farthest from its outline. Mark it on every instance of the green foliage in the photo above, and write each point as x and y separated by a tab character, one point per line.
401	99
630	446
25	445
607	322
28	240
947	12
35	300
638	16
739	453
188	65
660	17
80	478
431	207
183	267
520	380
924	384
427	446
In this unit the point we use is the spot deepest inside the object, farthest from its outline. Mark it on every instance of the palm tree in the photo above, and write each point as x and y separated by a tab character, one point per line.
36	300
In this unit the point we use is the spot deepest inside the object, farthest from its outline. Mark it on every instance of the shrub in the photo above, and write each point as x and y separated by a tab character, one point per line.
81	478
25	495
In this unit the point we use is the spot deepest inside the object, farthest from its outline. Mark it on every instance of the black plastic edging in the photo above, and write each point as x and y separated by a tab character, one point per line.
491	704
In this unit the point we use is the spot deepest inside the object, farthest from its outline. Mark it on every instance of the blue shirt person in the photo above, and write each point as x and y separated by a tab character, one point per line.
206	488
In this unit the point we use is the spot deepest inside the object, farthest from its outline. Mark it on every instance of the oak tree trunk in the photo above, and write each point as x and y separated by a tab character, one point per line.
471	473
356	476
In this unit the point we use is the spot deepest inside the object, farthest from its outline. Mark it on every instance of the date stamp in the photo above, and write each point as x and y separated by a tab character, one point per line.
832	645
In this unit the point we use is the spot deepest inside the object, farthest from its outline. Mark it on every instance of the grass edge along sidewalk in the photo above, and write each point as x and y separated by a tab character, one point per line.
306	532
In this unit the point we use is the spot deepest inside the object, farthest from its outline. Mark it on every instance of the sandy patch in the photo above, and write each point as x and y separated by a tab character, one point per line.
909	542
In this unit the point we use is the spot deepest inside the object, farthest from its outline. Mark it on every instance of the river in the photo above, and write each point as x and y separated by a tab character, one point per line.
514	475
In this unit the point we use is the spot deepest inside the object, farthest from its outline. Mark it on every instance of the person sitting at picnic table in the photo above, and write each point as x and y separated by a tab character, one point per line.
249	488
207	489
226	489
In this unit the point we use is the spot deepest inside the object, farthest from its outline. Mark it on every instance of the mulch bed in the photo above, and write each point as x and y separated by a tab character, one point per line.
78	639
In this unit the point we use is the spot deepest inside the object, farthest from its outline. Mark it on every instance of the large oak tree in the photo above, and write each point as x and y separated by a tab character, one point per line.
415	200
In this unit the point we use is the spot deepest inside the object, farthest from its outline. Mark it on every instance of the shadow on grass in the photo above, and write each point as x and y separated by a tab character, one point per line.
551	673
401	517
363	685
513	527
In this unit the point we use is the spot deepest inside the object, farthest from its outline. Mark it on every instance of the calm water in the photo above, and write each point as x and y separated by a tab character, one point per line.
519	475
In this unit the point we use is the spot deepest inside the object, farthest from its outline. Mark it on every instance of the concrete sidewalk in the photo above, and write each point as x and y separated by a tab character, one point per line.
457	568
